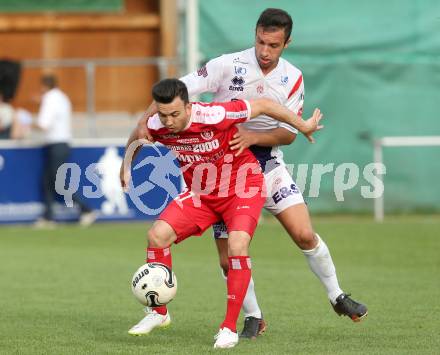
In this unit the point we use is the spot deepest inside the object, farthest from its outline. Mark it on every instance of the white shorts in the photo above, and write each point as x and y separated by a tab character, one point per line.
282	193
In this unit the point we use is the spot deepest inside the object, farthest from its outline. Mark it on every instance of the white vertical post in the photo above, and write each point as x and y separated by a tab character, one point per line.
192	32
378	202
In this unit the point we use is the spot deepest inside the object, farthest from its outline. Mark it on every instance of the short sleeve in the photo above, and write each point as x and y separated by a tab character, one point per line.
205	79
221	114
295	102
154	124
236	111
45	114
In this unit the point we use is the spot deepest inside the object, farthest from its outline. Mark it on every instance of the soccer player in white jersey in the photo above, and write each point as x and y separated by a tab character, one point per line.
254	73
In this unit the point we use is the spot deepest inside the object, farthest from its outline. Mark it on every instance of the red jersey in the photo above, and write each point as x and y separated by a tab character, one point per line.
202	148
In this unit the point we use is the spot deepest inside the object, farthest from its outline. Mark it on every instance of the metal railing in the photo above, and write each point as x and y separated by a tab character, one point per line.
90	64
406	141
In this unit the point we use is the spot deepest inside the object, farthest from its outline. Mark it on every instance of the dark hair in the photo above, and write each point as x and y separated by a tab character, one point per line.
273	19
167	90
50	81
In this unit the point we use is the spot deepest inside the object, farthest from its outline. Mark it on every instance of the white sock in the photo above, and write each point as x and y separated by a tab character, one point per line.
321	263
250	305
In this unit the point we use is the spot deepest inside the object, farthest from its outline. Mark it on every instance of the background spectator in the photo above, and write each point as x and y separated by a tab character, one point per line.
54	119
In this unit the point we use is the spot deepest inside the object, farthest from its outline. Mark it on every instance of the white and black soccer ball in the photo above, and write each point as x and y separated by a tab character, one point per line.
154	284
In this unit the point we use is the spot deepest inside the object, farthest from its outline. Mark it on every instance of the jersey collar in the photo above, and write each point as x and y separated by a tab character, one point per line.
273	71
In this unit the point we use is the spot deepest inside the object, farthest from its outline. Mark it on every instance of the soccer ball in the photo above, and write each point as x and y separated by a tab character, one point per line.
154	284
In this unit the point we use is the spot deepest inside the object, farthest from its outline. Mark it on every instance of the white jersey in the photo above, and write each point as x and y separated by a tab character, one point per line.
239	76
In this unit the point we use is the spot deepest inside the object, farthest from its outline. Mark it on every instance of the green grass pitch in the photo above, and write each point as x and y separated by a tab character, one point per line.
67	291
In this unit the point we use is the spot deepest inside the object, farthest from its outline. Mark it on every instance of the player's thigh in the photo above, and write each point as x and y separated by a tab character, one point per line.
161	234
282	191
297	223
238	243
188	219
242	214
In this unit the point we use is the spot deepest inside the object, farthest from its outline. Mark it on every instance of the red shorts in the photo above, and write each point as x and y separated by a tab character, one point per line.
189	215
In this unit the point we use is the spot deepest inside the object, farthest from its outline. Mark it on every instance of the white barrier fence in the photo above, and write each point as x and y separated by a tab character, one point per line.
90	64
403	141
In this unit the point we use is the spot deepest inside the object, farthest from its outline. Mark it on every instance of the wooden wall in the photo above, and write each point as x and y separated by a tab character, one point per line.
136	32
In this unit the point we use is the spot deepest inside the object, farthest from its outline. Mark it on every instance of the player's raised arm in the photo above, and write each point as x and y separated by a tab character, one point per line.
205	79
283	114
139	135
244	138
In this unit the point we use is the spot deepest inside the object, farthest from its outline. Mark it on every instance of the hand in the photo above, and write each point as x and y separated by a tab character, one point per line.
124	176
241	140
142	126
312	125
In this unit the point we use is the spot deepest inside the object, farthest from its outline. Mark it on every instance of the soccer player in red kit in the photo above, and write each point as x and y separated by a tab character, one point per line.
219	186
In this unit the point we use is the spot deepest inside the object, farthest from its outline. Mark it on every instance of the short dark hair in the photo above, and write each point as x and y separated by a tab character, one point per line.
273	19
165	91
49	81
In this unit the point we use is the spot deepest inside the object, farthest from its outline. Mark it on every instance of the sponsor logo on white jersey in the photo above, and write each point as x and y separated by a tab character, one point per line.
239	61
237	83
240	70
202	71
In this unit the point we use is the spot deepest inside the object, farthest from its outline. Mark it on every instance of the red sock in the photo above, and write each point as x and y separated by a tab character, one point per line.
160	255
239	275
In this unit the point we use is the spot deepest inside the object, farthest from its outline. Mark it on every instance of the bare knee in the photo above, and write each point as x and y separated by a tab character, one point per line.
154	238
305	239
160	236
238	243
296	221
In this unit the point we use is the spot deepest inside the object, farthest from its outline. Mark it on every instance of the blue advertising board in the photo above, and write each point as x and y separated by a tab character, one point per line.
93	173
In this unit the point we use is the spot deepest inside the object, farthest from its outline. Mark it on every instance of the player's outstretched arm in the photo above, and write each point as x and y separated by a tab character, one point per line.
283	114
245	138
139	133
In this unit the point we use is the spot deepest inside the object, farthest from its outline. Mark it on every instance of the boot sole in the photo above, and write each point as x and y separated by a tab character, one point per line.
164	325
357	319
